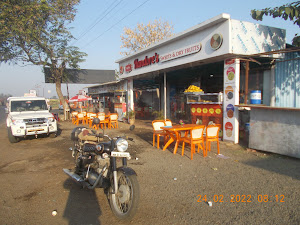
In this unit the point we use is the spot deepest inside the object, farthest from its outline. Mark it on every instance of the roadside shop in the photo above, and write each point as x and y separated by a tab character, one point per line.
110	97
214	56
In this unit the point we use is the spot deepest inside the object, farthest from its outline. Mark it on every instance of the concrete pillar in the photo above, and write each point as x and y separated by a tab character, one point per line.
130	97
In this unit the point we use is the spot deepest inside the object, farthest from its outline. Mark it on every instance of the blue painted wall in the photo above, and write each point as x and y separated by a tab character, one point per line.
287	80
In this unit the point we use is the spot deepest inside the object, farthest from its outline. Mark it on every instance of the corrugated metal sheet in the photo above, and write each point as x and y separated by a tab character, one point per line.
287	80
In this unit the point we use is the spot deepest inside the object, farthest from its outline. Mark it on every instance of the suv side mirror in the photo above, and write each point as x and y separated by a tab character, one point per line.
6	110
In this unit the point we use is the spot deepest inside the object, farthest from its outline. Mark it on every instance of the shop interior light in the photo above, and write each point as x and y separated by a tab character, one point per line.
211	75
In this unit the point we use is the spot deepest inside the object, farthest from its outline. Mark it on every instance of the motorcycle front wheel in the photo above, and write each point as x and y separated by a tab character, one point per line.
124	204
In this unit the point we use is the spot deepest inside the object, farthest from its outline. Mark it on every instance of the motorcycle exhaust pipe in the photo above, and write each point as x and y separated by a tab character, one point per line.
73	175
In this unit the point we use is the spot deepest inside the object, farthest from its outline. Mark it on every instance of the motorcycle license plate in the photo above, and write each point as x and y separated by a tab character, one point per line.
120	154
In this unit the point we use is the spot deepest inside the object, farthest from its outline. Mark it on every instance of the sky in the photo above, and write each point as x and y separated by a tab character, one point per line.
99	24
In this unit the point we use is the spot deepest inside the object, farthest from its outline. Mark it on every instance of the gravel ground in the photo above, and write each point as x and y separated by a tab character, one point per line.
174	188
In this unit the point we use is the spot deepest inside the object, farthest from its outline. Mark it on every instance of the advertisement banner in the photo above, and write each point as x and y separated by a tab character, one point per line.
231	98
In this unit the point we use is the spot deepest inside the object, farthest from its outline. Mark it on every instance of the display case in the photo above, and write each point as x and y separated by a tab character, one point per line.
204	98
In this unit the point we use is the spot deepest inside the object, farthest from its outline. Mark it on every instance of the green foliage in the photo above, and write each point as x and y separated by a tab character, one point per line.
3	98
287	12
158	115
36	32
131	114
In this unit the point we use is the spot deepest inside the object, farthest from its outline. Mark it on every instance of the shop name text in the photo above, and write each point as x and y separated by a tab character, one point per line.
146	62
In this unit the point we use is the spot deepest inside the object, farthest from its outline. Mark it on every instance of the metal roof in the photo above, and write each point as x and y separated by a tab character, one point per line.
287	80
103	84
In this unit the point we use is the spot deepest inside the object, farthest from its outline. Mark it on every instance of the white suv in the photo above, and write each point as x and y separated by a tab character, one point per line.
29	116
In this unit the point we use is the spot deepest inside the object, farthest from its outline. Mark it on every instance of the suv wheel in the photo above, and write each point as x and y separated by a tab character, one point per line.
52	135
11	137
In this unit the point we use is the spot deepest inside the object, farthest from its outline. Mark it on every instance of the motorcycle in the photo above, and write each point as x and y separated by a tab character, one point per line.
96	167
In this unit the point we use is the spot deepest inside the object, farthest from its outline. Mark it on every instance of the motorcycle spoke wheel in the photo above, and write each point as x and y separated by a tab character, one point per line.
124	195
124	203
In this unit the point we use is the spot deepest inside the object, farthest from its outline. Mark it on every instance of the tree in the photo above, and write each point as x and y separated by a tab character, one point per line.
36	32
144	35
289	11
3	98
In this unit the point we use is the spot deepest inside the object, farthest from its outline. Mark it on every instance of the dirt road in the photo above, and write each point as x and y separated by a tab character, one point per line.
173	187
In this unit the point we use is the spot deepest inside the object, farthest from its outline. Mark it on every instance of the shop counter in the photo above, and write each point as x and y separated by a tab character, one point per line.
207	113
274	129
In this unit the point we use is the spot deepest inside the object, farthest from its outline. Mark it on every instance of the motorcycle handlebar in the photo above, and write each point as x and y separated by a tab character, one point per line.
99	135
125	137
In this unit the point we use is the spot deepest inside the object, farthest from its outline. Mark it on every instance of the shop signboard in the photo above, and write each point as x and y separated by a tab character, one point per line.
146	61
109	88
231	98
216	41
121	69
191	49
128	68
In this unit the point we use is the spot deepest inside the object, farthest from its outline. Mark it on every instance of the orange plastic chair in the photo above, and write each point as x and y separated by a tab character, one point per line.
113	120
100	113
89	118
73	116
103	120
168	122
79	118
158	132
94	125
212	134
195	137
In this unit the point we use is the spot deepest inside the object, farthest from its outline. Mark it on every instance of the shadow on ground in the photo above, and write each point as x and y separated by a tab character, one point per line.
83	206
273	163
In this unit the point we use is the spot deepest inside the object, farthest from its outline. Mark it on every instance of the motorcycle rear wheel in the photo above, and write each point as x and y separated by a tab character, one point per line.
124	204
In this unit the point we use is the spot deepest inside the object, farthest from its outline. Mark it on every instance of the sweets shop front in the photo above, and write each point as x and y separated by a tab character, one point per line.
200	75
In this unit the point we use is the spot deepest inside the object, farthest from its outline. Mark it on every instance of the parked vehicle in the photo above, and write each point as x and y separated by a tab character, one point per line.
96	157
29	116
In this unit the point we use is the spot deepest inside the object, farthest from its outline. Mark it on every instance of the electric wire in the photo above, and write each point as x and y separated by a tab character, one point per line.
115	24
97	20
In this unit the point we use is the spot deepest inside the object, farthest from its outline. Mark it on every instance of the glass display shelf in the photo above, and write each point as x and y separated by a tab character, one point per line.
204	98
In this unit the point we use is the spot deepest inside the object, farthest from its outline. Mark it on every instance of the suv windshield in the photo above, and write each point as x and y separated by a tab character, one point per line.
28	105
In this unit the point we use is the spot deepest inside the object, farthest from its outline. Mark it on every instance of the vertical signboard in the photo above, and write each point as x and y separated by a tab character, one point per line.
231	98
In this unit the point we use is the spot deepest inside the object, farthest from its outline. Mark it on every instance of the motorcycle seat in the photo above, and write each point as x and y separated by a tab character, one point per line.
89	135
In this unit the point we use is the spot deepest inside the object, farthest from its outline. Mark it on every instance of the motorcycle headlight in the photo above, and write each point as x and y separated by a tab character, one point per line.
15	122
121	144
